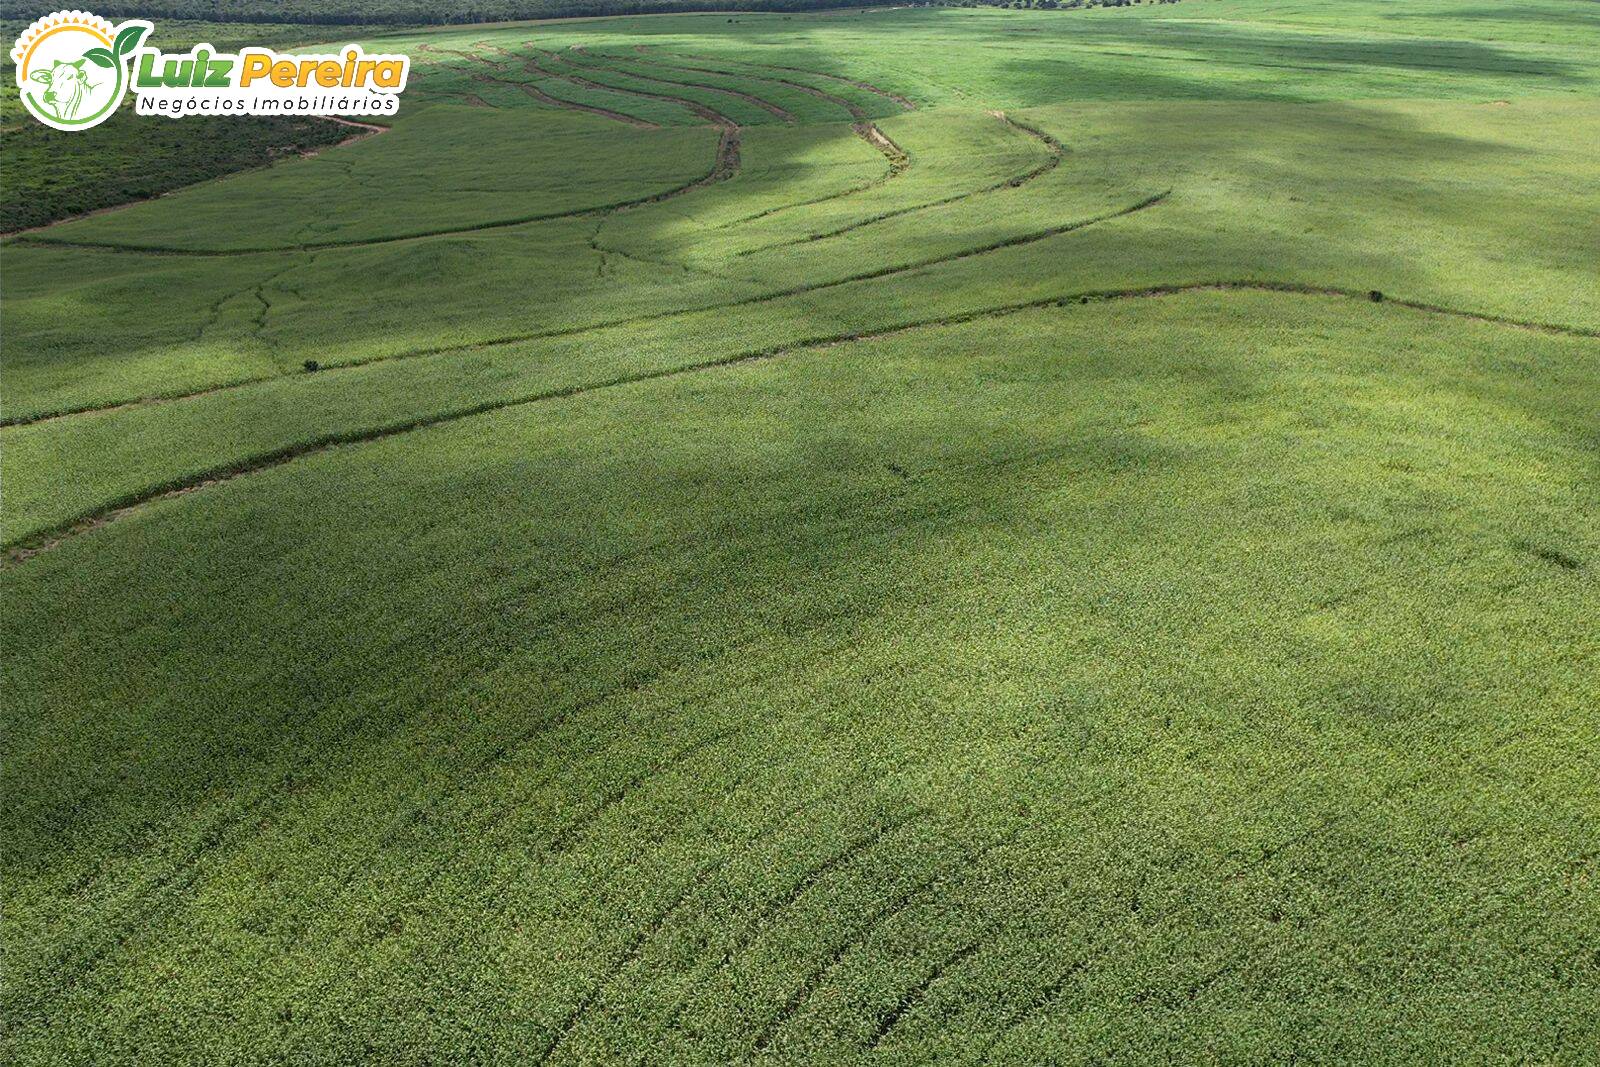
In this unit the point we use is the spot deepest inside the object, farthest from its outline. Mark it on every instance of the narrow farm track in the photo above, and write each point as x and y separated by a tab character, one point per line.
689	670
36	544
727	149
435	50
701	111
600	62
718	171
570	105
492	76
724	165
1053	146
728	155
904	103
368	129
898	159
728	163
731	164
862	125
546	98
853	110
471	99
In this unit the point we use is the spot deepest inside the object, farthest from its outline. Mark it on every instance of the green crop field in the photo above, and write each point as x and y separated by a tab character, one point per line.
916	535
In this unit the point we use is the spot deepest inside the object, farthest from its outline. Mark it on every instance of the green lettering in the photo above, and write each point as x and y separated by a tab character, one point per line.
145	77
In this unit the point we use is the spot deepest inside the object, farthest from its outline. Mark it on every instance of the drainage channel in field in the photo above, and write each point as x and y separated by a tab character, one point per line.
35	544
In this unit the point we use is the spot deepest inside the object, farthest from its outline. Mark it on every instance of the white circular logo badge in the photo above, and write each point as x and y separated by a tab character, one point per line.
72	67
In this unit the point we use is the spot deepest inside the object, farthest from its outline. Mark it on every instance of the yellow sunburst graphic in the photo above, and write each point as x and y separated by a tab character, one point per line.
60	21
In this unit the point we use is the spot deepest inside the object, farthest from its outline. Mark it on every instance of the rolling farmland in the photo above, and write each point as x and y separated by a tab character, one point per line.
911	535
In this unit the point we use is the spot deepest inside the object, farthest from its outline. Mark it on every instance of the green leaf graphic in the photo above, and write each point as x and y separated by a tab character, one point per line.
100	57
127	40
